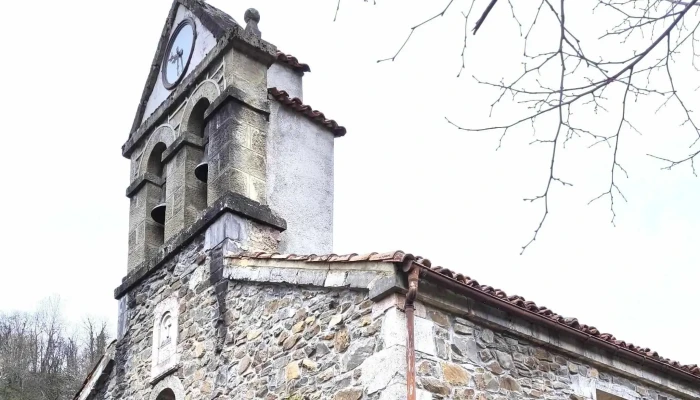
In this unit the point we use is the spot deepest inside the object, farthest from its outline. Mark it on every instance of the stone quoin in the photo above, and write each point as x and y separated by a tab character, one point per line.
231	181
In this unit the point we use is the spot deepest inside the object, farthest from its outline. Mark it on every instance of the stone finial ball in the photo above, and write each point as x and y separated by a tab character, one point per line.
251	14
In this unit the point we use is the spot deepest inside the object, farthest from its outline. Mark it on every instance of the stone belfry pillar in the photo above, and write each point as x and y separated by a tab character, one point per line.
237	126
205	104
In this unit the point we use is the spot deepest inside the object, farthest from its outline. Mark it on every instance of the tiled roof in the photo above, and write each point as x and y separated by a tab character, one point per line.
496	294
292	62
296	104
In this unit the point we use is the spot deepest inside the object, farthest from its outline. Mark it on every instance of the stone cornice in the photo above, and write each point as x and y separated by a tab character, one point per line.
141	180
186	139
379	278
230	202
239	96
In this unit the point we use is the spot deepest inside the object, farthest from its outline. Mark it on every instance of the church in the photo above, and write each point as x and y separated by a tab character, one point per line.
232	290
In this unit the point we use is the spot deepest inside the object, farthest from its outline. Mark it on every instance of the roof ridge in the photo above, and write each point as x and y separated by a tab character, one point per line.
298	105
292	62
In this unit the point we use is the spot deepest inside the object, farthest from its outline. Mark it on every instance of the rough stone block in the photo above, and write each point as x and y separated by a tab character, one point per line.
335	278
362	279
227	226
256	189
311	277
379	307
247	74
250	274
122	318
394	332
381	368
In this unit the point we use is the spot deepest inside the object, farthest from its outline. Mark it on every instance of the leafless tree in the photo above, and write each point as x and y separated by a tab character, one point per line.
651	34
96	337
40	359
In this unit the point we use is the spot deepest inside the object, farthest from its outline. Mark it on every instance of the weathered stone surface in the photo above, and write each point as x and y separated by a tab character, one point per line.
439	318
199	350
504	359
291	341
435	386
342	340
464	394
542	354
394	332
310	365
357	354
455	374
463	330
250	340
292	371
244	364
335	320
298	327
254	334
348	394
494	367
487	336
253	340
380	368
509	383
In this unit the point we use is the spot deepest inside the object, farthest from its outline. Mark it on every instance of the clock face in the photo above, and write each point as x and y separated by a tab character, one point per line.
178	53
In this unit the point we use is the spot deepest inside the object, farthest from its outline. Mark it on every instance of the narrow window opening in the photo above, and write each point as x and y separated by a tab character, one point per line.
156	232
197	126
166	394
196	122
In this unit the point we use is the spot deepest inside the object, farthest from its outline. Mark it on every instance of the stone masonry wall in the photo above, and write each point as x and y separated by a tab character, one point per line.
315	333
250	340
460	359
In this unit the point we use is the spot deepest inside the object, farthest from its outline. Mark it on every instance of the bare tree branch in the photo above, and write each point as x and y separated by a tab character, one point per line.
464	48
615	163
589	81
413	29
483	16
554	142
545	100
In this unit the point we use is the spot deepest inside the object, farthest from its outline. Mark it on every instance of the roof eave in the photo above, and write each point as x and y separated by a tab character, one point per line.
479	295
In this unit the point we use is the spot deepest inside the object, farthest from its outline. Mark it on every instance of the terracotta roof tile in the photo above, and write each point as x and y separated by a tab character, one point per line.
497	294
292	62
297	105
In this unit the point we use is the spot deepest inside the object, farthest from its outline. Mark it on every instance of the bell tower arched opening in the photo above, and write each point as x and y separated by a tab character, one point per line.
156	230
197	126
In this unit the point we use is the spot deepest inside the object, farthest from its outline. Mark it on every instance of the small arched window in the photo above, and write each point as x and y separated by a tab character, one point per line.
196	123
166	394
155	160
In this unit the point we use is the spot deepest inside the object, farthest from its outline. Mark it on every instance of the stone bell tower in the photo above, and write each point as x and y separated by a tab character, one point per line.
215	148
225	158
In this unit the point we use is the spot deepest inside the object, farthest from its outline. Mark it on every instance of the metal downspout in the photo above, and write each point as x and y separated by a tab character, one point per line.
413	274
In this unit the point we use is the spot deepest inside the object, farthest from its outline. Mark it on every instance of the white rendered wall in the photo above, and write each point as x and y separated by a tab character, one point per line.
284	78
300	180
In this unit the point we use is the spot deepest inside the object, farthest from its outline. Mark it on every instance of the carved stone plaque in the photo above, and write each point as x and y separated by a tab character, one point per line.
165	328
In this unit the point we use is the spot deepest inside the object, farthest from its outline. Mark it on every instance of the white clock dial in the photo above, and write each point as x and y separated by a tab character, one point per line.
177	56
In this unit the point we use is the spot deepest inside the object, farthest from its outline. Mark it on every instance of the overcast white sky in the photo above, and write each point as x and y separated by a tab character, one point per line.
73	73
